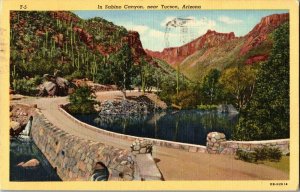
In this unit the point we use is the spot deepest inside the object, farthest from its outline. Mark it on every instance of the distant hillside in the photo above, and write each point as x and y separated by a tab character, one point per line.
223	50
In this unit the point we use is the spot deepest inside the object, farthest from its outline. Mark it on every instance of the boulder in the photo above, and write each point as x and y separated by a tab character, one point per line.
61	82
11	91
142	146
30	163
48	88
15	125
63	86
227	109
19	116
55	87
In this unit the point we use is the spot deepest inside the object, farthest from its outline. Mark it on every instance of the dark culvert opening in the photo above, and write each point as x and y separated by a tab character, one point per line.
100	172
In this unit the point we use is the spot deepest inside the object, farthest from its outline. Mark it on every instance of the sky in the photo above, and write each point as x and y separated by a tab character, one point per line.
151	25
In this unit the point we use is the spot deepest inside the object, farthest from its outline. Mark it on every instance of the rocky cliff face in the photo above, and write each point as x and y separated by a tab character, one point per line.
132	38
174	55
213	42
260	32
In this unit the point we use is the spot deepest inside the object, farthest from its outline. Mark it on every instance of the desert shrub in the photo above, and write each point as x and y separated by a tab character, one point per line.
274	154
81	109
246	155
82	101
187	99
260	154
27	86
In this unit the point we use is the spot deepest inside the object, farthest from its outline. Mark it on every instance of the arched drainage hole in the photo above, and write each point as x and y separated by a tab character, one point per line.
100	172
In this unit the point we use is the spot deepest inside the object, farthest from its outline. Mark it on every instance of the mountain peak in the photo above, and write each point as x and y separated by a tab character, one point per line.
213	32
212	40
174	55
260	32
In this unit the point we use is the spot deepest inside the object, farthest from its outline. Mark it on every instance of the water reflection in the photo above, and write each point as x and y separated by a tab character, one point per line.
22	151
188	126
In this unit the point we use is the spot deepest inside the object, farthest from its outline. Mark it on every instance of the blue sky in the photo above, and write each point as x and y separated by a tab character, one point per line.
151	24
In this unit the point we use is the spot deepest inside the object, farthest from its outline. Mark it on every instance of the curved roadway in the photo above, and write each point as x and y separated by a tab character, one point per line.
174	164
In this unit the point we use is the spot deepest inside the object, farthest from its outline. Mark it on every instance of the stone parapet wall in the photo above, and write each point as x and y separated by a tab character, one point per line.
157	142
74	158
216	143
213	141
230	147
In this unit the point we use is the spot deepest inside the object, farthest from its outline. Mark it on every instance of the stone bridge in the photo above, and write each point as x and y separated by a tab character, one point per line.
74	158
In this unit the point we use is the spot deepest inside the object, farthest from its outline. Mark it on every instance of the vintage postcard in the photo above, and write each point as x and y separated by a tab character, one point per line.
164	95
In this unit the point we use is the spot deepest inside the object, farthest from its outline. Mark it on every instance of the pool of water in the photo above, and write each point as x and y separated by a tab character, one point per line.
23	151
187	126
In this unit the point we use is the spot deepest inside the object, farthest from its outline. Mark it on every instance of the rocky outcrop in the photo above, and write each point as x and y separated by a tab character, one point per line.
175	55
126	107
132	38
256	58
64	16
30	163
141	105
14	125
227	109
19	117
55	86
260	32
86	37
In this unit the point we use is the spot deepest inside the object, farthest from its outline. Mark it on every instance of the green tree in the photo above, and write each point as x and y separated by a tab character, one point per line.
239	83
177	79
82	101
211	89
147	77
122	68
267	115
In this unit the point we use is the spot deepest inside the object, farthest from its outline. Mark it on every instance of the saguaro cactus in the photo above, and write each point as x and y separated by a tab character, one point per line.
46	41
177	80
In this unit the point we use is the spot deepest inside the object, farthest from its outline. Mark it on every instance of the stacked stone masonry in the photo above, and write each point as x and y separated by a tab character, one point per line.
74	158
220	146
216	143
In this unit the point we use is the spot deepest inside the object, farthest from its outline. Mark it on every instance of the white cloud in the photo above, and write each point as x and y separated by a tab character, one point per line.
195	28
140	28
151	38
154	39
229	20
156	33
166	20
200	26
